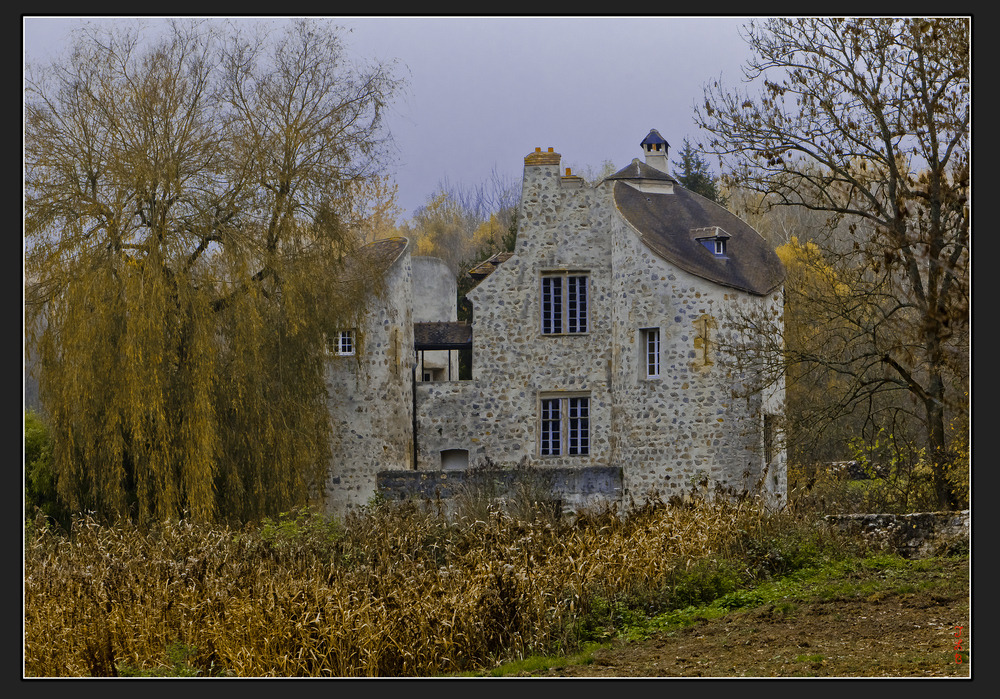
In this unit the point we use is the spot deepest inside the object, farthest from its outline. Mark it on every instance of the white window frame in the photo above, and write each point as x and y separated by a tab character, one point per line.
650	348
564	425
716	246
343	343
564	307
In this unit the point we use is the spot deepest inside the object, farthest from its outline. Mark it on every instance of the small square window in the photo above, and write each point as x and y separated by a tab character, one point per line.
432	374
342	343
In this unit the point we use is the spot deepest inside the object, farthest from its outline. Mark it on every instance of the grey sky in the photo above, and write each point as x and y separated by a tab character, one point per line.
484	92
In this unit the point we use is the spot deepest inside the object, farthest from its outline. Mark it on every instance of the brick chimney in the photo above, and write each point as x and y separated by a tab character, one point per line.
540	158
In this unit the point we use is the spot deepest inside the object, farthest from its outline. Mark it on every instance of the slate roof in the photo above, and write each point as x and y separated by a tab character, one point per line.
383	253
668	224
489	265
653	137
638	170
371	259
442	335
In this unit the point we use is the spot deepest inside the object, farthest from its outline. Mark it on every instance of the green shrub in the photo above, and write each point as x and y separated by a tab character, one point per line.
301	532
179	657
39	479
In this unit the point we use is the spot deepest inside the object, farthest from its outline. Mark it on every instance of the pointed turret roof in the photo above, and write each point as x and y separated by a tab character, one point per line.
652	138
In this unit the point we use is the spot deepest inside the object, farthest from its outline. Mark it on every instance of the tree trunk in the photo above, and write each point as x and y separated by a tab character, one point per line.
937	446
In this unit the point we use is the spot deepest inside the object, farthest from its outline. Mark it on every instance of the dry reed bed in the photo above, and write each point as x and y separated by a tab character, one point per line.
400	592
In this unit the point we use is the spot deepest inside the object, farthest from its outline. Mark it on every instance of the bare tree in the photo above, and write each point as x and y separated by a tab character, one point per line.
465	224
868	120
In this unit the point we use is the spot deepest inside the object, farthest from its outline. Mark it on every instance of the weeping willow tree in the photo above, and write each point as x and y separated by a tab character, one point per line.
186	226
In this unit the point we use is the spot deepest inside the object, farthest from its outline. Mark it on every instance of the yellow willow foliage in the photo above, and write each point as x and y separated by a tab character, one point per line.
814	296
187	249
132	418
374	208
161	405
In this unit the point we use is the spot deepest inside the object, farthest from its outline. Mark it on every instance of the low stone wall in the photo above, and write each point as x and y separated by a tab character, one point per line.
912	535
573	487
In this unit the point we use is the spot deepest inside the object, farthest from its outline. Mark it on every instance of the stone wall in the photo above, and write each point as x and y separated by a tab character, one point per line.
912	535
514	365
687	426
666	434
573	488
371	396
451	415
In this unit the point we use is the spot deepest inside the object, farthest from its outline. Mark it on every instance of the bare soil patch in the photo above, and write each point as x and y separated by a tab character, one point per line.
904	628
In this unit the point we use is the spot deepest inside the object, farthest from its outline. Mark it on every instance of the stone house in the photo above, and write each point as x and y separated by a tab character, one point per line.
594	351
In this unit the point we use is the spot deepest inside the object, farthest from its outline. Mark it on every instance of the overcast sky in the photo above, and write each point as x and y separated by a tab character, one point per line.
484	92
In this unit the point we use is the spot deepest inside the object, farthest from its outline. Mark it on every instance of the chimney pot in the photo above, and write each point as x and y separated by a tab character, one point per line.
568	172
538	149
550	149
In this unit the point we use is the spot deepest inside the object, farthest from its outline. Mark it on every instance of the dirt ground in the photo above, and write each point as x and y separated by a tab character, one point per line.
893	632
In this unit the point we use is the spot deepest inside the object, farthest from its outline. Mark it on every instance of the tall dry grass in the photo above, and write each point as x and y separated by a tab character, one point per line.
392	591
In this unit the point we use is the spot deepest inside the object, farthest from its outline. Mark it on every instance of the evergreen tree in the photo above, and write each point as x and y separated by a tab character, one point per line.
696	175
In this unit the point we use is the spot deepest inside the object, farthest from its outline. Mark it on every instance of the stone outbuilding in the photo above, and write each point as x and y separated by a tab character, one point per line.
594	351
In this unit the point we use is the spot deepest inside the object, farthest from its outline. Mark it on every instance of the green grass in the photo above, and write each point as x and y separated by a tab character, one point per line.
873	577
538	664
815	658
178	655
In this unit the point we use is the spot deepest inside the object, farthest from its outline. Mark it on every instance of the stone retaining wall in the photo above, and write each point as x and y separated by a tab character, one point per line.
912	535
573	487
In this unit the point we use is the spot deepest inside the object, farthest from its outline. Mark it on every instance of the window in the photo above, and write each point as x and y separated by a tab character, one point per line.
343	343
564	304
651	352
433	374
713	238
565	426
716	246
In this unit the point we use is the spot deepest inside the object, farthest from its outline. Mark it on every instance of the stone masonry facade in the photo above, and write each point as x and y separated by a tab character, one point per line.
630	380
371	395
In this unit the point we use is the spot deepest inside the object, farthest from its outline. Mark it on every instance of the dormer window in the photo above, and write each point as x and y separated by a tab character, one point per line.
713	238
